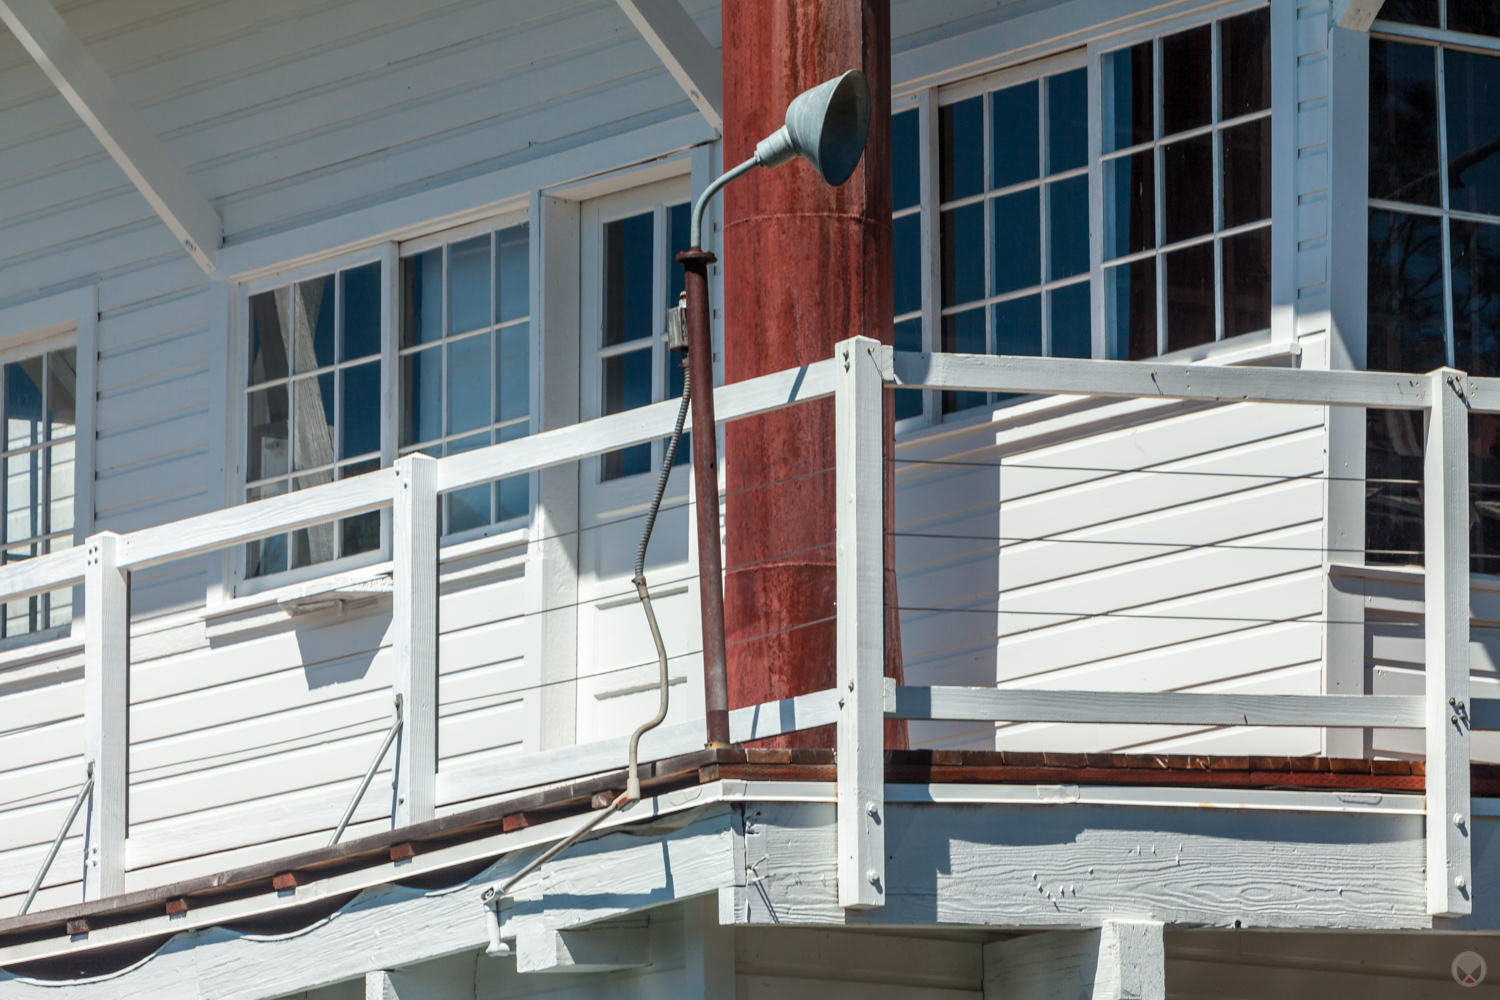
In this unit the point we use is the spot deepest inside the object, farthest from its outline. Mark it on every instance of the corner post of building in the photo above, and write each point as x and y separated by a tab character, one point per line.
106	684
414	629
860	595
1445	477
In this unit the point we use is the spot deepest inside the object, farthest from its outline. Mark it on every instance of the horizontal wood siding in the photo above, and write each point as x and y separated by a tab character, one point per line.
1129	546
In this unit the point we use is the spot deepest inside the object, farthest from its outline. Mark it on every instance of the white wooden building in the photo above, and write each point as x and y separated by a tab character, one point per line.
289	288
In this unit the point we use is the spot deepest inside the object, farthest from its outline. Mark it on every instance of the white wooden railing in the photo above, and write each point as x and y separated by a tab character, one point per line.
856	376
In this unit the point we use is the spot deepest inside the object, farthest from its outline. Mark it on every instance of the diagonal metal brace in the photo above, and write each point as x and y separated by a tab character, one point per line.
67	824
364	784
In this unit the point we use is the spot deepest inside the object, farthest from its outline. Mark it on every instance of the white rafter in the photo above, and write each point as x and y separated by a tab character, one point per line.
687	55
137	150
1356	15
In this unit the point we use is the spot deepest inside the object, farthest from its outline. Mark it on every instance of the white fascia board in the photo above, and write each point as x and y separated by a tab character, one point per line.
75	74
1356	15
684	51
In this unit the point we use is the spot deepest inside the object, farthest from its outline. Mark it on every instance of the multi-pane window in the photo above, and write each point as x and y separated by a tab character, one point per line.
464	366
1434	253
1186	174
37	396
641	279
906	243
1014	222
313	406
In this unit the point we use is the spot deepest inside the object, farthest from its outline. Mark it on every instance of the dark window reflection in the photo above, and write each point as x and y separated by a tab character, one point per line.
1247	282
908	337
1129	204
359	329
1476	297
628	259
1393	498
1067	121
1016	242
1478	17
1187	167
422	298
906	180
1071	333
1247	173
269	345
1130	309
963	333
907	247
1018	326
1484	492
1067	227
1423	12
961	135
1472	82
1128	97
1245	63
1190	296
1403	123
1015	143
1186	91
1405	317
963	253
627	384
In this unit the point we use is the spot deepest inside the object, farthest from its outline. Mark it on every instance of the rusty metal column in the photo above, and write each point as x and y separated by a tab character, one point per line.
805	266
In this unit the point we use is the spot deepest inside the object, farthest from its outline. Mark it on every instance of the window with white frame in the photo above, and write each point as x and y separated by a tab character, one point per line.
1110	202
341	377
1434	251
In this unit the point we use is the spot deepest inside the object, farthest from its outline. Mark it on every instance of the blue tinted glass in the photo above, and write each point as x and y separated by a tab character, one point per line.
359	406
422	298
1405	318
469	284
907	247
312	324
1072	335
1129	204
963	333
23	402
1018	326
1067	121
1015	234
1015	154
513	372
514	493
1130	309
313	423
359	329
906	180
961	135
963	253
628	260
908	337
1068	227
1129	98
468	508
1472	82
679	231
468	384
674	391
421	396
1476	297
512	273
627	384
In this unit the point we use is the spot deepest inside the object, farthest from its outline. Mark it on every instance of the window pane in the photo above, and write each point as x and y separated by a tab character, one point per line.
266	454
422	298
963	252
23	496
908	337
679	236
963	333
1476	298
469	284
628	257
627	381
361	533
1188	169
1072	336
315	544
1423	12
468	508
1472	82
62	389
1405	318
359	330
312	324
1129	204
1393	472
1247	173
1247	282
1128	97
512	273
1403	122
514	492
1484	492
1190	296
23	403
1015	234
469	368
1130	309
421	396
1015	151
906	180
60	483
1067	121
961	133
1186	91
1478	17
312	421
268	341
907	249
1245	57
359	410
1018	326
1067	227
513	373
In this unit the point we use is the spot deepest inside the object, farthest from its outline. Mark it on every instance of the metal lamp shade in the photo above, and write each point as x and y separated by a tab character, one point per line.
826	125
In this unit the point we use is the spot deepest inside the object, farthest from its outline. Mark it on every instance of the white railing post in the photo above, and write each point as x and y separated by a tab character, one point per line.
106	692
414	634
860	528
1445	477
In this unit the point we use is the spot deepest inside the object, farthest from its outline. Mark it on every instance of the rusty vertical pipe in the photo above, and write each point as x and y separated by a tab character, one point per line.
706	493
805	267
